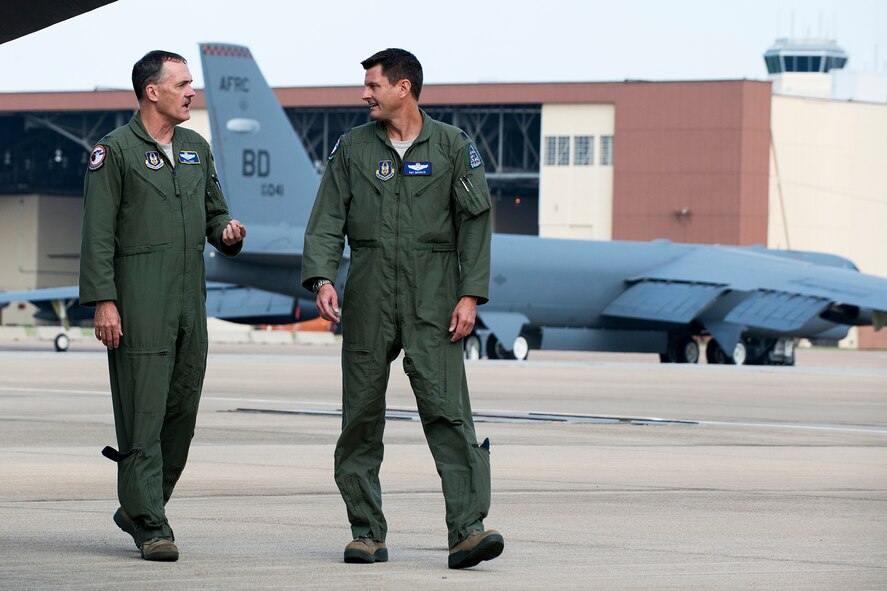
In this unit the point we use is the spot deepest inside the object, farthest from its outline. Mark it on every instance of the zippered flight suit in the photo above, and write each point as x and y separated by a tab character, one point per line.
145	225
419	232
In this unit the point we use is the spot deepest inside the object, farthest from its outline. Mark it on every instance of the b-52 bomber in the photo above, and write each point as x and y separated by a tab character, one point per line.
750	303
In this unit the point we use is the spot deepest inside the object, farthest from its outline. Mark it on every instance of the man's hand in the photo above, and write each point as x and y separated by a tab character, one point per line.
107	324
233	233
463	319
328	303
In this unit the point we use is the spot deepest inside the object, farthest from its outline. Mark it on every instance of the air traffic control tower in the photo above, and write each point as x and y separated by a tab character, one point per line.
804	67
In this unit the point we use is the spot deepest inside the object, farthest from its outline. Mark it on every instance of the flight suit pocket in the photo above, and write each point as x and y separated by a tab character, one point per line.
362	292
132	484
358	377
437	284
143	289
479	461
144	216
469	196
148	373
436	380
365	208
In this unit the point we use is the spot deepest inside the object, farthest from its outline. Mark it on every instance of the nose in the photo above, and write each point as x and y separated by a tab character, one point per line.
367	95
190	91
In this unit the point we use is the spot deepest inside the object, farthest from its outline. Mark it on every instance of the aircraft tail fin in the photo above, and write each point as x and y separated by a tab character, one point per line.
269	179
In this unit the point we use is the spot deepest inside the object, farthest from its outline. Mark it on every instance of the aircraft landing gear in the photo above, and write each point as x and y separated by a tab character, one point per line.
681	350
520	349
715	354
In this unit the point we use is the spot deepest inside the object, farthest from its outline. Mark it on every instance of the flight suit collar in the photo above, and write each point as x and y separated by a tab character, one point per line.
138	128
427	124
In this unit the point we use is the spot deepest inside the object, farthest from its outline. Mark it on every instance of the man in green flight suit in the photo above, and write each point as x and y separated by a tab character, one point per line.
152	200
410	194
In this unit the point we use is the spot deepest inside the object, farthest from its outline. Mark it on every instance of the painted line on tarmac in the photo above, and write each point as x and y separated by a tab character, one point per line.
401	414
202	398
765	425
507	416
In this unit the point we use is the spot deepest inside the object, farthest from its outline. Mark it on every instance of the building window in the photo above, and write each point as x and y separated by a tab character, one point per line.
583	150
606	150
563	150
550	150
557	150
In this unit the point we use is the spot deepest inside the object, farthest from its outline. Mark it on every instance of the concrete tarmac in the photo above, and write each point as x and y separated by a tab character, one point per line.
755	478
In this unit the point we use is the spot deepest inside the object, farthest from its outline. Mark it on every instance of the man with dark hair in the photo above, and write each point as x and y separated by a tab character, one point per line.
152	199
410	194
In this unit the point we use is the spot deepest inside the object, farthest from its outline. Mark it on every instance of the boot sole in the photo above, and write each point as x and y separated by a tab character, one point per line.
127	527
161	556
488	549
358	557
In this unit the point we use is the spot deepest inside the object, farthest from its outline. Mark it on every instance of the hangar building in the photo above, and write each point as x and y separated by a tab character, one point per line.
790	162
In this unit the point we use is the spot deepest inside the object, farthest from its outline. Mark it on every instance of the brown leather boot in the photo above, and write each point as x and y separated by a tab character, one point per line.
477	547
162	549
124	522
366	551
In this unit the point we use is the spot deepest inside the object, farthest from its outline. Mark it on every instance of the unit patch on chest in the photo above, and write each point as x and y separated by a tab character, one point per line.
417	169
189	157
153	160
385	170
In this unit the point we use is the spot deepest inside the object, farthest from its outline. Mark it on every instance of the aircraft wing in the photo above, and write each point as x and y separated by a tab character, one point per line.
733	289
17	20
40	295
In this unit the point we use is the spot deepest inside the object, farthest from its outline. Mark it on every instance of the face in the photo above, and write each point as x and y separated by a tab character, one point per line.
383	98
173	93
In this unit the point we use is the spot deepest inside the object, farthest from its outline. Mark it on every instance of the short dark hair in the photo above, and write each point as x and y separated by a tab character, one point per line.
147	70
397	64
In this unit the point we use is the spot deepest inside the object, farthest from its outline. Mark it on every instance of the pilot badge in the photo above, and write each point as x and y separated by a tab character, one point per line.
153	160
385	170
189	157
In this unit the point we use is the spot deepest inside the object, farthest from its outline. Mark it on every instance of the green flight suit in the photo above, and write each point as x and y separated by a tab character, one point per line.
419	232
145	225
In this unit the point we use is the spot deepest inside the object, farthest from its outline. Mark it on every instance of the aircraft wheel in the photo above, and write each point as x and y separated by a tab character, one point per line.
714	354
789	352
501	351
472	347
520	349
681	350
493	348
688	351
740	354
62	342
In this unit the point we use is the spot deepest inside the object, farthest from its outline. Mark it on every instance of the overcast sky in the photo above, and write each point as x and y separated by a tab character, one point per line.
319	43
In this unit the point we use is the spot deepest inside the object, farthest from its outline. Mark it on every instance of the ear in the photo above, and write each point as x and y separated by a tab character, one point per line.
404	89
152	93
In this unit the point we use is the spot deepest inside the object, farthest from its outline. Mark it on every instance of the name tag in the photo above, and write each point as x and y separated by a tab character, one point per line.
417	169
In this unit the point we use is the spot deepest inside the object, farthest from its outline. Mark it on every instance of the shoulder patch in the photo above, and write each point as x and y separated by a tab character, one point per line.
97	157
335	149
474	159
